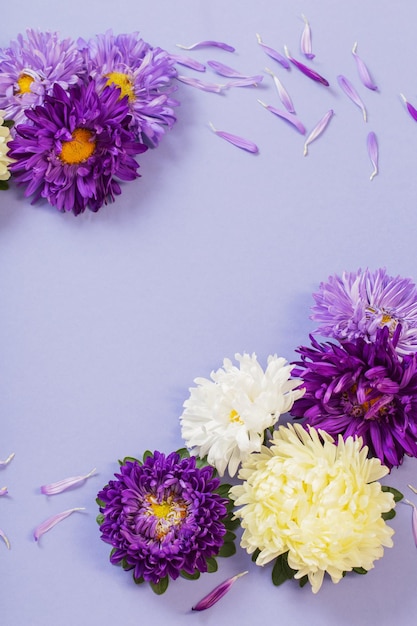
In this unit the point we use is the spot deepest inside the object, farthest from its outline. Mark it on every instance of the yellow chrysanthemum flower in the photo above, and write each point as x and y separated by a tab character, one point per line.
315	501
5	161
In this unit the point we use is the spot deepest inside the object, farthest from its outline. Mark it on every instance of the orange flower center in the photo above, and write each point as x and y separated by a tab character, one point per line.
79	148
123	82
24	81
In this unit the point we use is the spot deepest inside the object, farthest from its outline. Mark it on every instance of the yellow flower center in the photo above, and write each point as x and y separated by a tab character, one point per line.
235	417
79	148
161	510
24	81
123	82
386	319
169	513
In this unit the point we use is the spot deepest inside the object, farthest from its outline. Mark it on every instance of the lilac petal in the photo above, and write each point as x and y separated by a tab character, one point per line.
199	84
289	117
225	70
373	152
217	593
5	539
307	70
52	521
413	519
274	54
318	129
306	47
3	491
282	92
240	142
188	62
351	92
412	111
248	81
7	461
413	489
363	71
61	485
205	44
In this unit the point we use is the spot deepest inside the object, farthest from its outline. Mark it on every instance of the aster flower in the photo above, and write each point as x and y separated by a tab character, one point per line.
357	304
226	417
363	389
142	73
30	67
75	147
165	517
313	506
5	160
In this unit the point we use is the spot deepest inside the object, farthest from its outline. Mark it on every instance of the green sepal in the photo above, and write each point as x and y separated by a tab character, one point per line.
112	551
138	581
303	581
202	462
223	490
184	454
398	496
8	123
281	570
131	459
146	455
255	555
126	566
360	570
388	515
100	519
227	549
4	185
229	537
100	502
194	576
161	587
232	524
211	565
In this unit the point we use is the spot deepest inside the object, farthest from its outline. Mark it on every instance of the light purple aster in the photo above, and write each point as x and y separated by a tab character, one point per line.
364	389
30	67
143	74
163	517
357	304
74	148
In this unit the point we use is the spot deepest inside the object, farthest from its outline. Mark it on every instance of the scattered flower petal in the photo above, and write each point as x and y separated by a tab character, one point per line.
413	489
199	84
188	62
351	92
52	521
5	539
205	44
412	110
217	593
248	81
225	70
363	71
306	70
292	119
318	129
274	54
306	47
413	519
373	152
240	142
7	461
3	491
282	92
61	485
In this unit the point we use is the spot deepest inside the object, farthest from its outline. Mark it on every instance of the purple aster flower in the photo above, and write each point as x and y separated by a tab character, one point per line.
364	389
142	73
30	67
357	304
75	146
163	517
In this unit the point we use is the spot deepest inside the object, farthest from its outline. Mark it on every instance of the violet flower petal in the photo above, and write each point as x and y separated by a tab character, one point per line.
216	594
7	461
412	110
274	54
306	46
239	142
363	71
52	521
61	485
225	70
318	130
248	81
5	539
306	70
205	44
199	84
188	62
351	93
282	92
289	117
373	152
3	491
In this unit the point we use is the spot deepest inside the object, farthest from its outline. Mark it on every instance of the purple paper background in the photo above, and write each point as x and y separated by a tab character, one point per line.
106	319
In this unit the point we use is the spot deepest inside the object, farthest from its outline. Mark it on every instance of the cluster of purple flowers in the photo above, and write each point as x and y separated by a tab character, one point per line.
366	383
82	112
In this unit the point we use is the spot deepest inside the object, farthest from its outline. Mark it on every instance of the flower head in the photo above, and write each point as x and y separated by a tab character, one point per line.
75	146
142	73
30	67
163	517
5	160
357	304
226	417
315	502
363	389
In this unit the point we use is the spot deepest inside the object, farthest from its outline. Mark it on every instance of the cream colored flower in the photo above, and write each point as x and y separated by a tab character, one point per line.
225	418
316	500
4	159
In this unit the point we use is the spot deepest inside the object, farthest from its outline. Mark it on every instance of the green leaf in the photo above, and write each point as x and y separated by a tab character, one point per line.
138	581
100	519
397	494
126	566
146	455
232	524
3	185
255	555
303	581
227	549
100	502
201	462
8	123
229	537
223	490
211	565
161	587
194	576
281	570
388	515
360	570
131	459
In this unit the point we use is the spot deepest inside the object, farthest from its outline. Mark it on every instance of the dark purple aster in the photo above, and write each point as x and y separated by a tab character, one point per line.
74	148
364	389
163	517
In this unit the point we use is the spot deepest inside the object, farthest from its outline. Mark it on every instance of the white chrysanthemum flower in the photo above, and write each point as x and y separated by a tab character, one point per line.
5	137
225	418
315	501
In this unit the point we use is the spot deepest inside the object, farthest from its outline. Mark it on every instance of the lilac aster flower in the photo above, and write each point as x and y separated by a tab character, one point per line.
30	67
75	146
357	304
142	73
163	517
364	389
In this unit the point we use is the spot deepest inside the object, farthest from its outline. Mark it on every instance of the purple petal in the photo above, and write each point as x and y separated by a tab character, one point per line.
373	152
412	111
274	54
199	84
307	70
363	71
205	44
306	47
248	81
52	521
282	92
61	485
217	593
240	142
289	117
3	491
7	461
188	62
318	129
225	70
351	92
413	518
5	539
